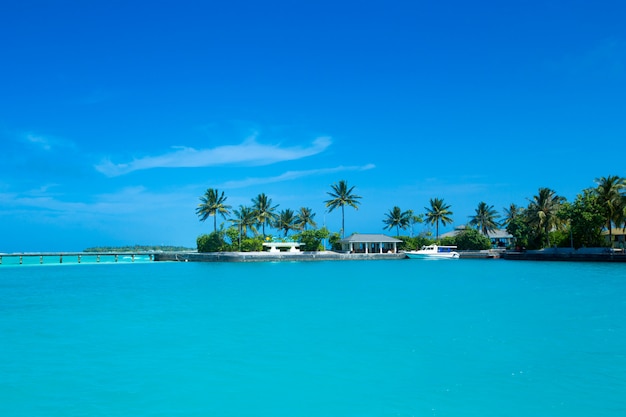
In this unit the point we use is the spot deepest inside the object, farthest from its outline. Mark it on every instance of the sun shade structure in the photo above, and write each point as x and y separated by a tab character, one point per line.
369	243
278	246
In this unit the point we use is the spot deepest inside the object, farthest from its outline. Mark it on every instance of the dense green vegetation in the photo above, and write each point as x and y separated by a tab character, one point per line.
227	240
547	220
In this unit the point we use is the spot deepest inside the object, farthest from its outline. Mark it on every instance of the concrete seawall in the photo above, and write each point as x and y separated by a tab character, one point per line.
480	254
272	257
566	254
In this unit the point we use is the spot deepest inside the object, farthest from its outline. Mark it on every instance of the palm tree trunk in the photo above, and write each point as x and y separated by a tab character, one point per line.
343	223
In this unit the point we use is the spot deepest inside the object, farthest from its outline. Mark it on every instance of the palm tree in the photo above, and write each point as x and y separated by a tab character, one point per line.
414	219
620	215
438	212
212	204
305	218
245	219
264	212
342	196
286	221
510	214
398	219
542	211
485	218
610	191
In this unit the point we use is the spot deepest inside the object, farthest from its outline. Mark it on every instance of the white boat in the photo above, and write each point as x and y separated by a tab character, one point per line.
435	252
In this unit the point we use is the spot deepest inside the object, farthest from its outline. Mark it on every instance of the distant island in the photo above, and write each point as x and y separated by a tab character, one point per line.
138	248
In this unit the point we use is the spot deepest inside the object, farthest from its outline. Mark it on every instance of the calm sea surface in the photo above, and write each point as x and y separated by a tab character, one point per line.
359	338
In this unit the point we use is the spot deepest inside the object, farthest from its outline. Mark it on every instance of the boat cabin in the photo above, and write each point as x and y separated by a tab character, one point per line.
438	249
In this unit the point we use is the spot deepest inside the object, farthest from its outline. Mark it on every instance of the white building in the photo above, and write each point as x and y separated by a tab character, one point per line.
369	243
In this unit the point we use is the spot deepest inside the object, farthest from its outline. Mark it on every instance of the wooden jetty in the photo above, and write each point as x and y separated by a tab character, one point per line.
78	256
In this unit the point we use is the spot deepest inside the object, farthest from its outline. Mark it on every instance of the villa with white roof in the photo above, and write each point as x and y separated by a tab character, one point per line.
369	243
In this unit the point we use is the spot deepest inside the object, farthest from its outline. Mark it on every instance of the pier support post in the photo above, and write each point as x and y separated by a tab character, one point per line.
20	259
97	258
40	259
61	258
78	258
132	257
115	258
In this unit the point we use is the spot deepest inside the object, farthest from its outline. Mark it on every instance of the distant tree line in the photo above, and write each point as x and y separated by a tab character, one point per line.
547	220
137	248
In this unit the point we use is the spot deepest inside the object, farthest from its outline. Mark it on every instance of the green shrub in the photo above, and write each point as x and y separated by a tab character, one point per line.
213	242
232	235
311	240
412	243
448	241
252	244
560	238
334	239
472	239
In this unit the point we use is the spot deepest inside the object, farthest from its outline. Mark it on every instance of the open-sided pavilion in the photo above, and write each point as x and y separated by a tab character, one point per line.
369	243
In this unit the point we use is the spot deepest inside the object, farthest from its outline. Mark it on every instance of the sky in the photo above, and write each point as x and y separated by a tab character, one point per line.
116	116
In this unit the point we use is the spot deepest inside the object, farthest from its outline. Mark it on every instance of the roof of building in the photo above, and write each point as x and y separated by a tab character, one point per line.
499	234
492	234
369	238
616	231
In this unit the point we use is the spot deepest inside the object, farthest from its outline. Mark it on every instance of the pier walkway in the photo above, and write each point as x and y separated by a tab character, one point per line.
30	258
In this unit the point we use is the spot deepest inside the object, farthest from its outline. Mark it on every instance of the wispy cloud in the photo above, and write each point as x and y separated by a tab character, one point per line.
605	60
45	142
39	141
462	185
291	175
40	201
250	152
129	200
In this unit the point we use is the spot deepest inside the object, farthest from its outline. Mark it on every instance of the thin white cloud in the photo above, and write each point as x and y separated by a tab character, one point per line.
45	142
291	175
39	141
129	200
249	153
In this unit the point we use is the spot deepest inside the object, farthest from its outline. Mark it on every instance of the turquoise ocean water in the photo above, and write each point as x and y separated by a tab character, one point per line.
358	338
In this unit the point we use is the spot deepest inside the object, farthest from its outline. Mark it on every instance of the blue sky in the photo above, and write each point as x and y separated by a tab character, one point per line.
115	116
